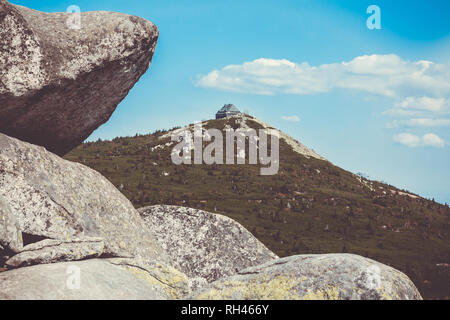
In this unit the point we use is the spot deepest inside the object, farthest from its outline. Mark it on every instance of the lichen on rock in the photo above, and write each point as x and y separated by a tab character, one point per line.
314	277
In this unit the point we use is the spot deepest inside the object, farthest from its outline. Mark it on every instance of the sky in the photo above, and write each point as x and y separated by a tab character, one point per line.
375	101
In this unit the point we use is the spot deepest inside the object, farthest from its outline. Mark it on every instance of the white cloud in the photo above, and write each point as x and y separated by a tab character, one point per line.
423	112
419	122
386	75
407	139
420	107
425	104
291	118
397	112
411	140
433	140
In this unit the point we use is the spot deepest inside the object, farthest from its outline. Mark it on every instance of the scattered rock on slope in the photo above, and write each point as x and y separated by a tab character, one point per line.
58	84
57	199
314	277
94	279
203	245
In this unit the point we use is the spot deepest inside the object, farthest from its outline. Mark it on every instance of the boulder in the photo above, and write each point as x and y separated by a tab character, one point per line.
94	279
10	235
53	198
314	277
59	83
203	245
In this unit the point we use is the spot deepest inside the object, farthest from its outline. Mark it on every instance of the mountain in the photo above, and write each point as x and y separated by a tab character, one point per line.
310	206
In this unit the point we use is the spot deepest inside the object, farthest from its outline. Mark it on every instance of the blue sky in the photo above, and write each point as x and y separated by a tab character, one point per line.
371	101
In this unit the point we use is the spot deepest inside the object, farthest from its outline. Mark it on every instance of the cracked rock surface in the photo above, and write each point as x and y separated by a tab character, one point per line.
51	251
203	245
57	199
314	277
58	84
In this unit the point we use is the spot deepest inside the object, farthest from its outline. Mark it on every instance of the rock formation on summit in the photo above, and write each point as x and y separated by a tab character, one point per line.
228	110
57	84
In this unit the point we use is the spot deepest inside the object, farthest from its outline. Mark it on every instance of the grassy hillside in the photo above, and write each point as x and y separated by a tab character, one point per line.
310	206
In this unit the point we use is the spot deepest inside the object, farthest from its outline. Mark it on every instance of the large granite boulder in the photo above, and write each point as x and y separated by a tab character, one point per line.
94	279
58	83
314	277
52	198
203	245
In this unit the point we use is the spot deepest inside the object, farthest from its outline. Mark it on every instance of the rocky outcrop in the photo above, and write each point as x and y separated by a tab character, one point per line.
94	279
10	235
57	199
314	277
52	251
59	83
203	245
